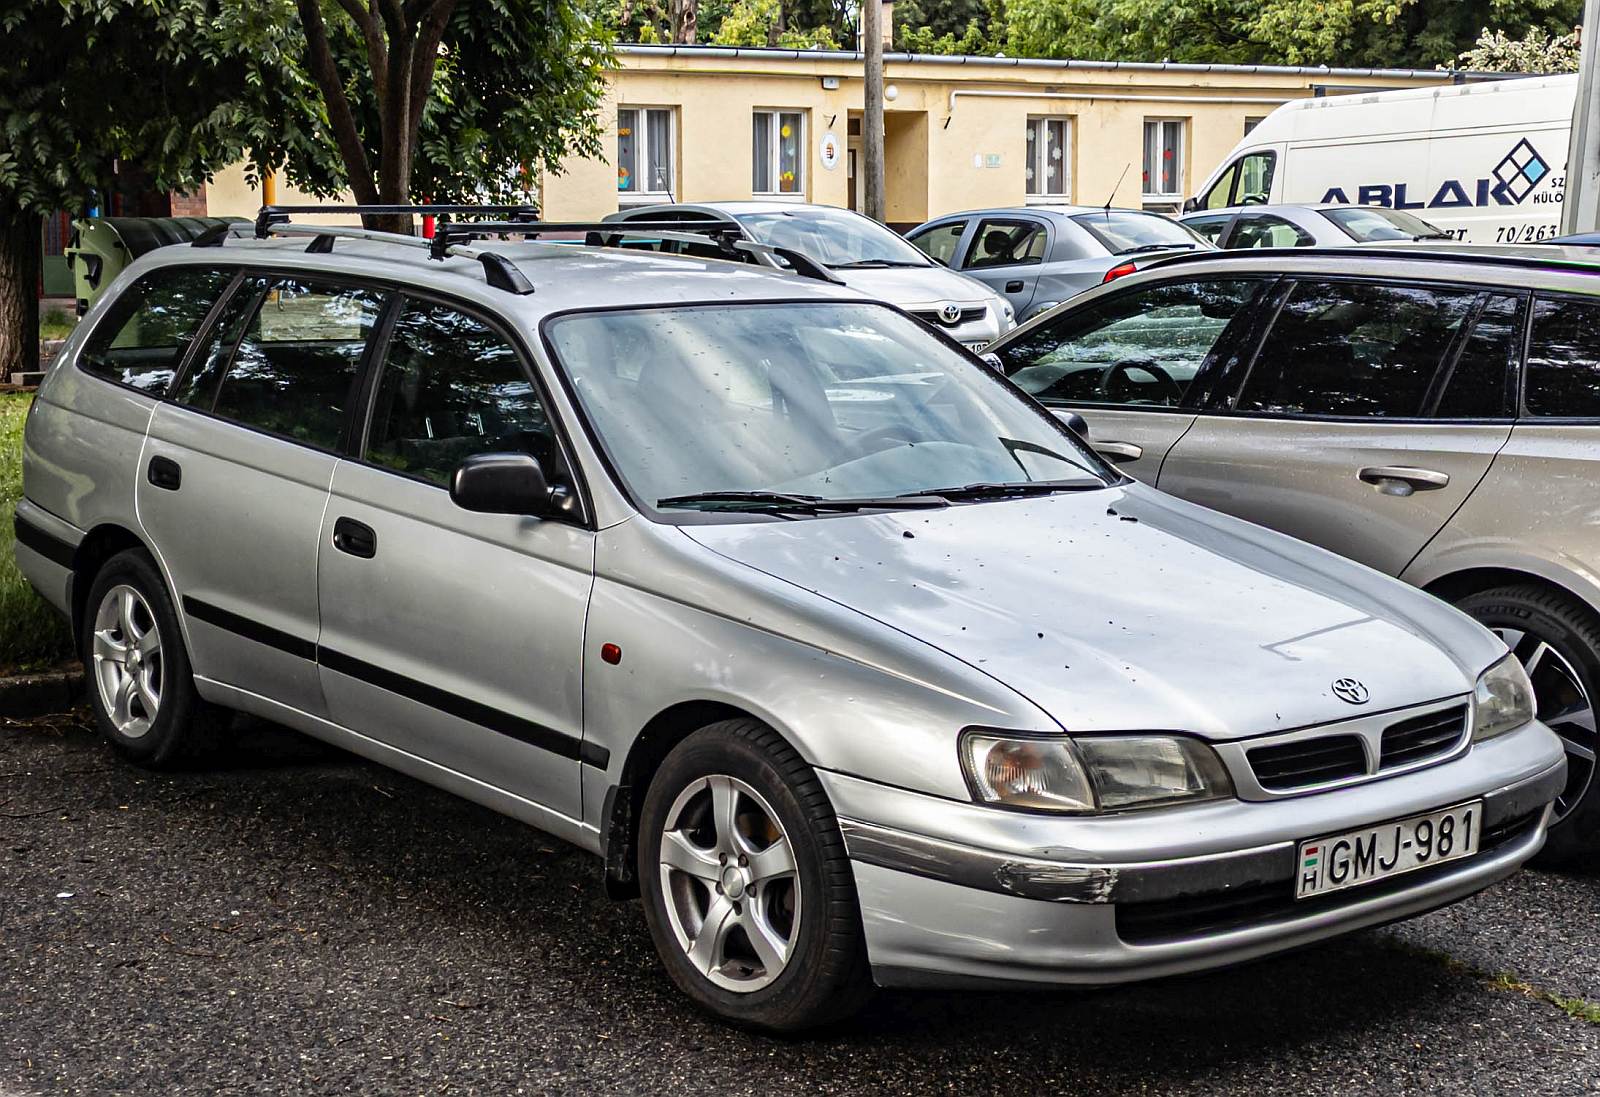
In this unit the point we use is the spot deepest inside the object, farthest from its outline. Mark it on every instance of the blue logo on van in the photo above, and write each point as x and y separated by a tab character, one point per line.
1513	180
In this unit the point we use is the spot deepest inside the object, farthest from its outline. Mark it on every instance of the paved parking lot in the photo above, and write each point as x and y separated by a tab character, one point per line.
298	921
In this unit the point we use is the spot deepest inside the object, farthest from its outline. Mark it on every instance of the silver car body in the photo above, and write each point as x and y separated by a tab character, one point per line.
1332	225
464	652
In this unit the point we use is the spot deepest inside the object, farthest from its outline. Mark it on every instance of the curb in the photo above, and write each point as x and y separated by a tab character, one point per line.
41	694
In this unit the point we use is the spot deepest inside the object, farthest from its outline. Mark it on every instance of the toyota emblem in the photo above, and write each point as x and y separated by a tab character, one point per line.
1348	689
950	313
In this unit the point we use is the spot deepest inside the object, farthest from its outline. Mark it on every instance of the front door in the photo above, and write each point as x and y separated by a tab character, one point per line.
1370	414
1006	253
448	634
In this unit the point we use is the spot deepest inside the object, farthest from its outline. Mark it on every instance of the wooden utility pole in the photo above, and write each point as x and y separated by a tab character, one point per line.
872	112
1580	205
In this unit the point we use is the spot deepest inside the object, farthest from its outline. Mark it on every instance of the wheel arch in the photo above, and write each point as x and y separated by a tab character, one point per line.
100	544
1456	585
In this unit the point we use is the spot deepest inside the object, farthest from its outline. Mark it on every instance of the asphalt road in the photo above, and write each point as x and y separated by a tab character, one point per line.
297	921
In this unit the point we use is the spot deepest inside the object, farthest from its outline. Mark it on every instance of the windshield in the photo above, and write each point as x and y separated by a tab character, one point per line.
827	401
1362	224
1122	231
835	237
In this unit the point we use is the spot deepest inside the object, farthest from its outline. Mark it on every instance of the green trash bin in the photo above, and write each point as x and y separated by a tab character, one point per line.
100	247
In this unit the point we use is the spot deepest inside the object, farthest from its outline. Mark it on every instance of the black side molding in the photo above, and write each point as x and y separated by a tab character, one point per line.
44	542
250	630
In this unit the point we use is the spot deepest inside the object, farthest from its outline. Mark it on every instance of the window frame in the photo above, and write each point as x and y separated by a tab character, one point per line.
1035	147
642	155
1181	156
969	242
94	331
775	155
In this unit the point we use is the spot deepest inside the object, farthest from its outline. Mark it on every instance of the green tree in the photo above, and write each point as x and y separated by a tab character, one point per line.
1536	51
759	23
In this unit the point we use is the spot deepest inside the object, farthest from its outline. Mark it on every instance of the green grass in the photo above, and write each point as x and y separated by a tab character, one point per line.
56	324
31	633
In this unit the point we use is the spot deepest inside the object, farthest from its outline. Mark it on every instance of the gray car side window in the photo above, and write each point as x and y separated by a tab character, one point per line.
450	387
940	242
1265	230
142	340
1006	243
1563	370
1142	347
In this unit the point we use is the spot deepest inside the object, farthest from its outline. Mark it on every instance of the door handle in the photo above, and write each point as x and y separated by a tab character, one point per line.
1402	480
1118	452
355	538
165	473
1014	286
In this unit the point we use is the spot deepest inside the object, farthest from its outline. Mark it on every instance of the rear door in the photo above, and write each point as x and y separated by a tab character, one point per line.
1005	253
1370	413
1129	361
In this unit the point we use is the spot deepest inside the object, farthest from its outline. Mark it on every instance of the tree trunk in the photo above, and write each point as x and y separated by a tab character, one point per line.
20	244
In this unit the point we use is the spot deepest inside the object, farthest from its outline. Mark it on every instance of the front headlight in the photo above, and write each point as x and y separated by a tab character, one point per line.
1091	774
1502	699
1008	315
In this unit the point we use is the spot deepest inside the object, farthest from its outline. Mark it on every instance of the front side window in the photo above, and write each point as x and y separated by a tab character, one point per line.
1143	347
1563	371
142	340
777	151
1001	243
645	161
451	387
1355	349
1049	168
832	400
1266	230
940	242
1255	178
295	359
1163	158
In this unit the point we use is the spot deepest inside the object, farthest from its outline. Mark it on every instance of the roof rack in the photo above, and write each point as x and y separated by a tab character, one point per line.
452	237
1462	252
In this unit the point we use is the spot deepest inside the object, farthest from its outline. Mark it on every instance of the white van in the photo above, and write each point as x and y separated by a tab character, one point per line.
1486	161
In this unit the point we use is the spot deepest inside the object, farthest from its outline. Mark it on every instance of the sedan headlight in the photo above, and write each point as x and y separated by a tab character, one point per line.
1091	774
1502	699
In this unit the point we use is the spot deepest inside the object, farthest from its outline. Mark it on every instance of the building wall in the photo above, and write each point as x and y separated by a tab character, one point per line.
955	131
230	194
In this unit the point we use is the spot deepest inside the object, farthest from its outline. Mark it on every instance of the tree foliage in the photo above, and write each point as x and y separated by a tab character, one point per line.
1536	51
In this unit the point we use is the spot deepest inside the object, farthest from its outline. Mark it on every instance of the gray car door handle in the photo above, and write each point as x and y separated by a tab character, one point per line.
1118	452
1402	479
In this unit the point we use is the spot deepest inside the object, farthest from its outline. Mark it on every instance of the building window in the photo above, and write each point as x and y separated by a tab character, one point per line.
644	152
1252	122
777	144
1163	159
1049	170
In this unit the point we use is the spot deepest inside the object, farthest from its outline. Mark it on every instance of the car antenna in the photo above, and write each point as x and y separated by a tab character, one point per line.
1112	196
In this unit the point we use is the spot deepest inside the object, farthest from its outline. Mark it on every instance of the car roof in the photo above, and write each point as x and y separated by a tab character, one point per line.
1061	212
1403	259
735	209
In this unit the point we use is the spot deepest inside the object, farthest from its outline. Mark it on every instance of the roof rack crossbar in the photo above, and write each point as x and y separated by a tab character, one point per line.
274	215
611	235
498	271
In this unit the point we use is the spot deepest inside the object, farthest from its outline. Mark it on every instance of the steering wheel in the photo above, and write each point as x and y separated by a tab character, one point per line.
1253	200
1118	370
865	443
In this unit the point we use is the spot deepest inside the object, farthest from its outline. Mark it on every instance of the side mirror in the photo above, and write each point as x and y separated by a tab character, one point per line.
1076	423
505	483
1190	205
992	360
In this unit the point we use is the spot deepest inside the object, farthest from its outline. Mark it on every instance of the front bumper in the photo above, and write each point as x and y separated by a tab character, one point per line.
956	894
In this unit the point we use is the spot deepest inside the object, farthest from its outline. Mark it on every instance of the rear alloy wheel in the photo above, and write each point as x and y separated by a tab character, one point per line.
1558	644
126	654
748	891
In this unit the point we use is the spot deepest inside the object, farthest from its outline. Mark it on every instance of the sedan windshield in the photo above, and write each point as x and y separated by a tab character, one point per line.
838	238
1364	223
806	408
1123	231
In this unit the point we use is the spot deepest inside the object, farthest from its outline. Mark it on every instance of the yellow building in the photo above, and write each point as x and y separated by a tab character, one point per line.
698	123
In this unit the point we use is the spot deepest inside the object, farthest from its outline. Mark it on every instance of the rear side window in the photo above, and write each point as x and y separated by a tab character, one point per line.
1563	372
142	340
453	387
1355	349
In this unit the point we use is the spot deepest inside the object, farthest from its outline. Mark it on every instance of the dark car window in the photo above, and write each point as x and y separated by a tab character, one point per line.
1476	385
1563	372
940	241
452	387
141	341
1355	349
1266	230
1006	244
1211	227
1123	232
1142	347
292	370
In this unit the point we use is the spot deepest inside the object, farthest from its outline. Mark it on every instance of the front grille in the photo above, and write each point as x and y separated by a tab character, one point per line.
1308	762
1423	736
967	316
1262	904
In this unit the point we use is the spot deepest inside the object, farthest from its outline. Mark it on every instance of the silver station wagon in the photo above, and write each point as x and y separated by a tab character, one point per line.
850	658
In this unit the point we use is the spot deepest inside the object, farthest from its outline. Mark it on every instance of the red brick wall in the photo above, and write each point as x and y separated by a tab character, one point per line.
189	205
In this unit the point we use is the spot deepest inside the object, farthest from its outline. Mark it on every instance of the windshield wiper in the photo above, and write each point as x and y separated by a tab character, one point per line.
779	501
874	264
1000	491
1175	245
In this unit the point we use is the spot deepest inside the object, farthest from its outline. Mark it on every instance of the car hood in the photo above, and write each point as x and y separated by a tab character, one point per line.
1124	609
910	287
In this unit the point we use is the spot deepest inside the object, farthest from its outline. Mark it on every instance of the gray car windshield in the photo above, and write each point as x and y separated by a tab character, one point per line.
1364	223
837	238
790	406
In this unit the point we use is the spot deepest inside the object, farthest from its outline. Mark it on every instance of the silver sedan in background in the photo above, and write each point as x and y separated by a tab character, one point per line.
1328	225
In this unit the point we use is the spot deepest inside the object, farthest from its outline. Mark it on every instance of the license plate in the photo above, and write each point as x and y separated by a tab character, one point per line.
1375	853
975	347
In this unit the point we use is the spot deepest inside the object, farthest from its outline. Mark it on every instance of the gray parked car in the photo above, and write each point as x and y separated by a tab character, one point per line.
1329	225
853	660
1039	256
1433	413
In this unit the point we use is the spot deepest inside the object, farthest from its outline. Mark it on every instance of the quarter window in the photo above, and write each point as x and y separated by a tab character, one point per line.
1355	349
1563	373
1142	347
141	342
453	387
1049	170
940	242
1163	158
645	164
1007	244
777	141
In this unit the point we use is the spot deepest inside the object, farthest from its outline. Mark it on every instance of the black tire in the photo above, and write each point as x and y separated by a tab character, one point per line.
1572	631
826	977
184	727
